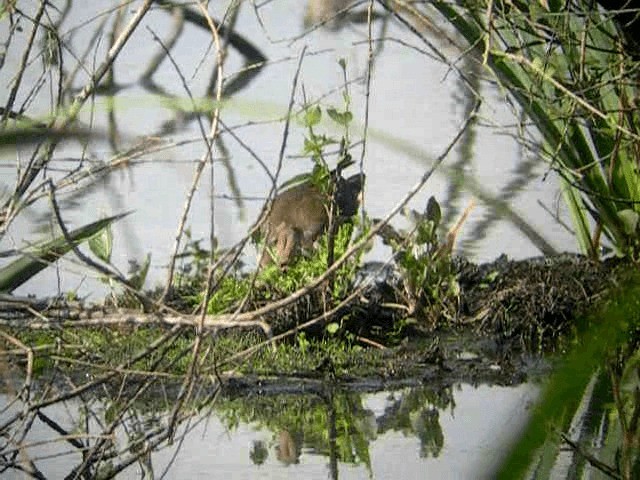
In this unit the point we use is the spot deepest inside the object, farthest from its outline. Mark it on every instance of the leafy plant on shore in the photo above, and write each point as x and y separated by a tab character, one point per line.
430	287
570	68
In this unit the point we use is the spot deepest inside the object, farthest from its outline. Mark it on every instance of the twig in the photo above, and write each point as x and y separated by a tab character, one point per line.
61	122
23	63
187	386
603	467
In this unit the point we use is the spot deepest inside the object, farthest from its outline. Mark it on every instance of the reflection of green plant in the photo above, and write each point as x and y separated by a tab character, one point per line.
308	419
429	282
259	452
414	412
417	412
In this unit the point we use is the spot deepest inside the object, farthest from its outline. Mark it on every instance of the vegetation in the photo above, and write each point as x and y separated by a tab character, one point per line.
572	75
571	70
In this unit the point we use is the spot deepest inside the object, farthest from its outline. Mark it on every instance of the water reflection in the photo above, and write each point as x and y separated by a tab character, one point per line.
103	433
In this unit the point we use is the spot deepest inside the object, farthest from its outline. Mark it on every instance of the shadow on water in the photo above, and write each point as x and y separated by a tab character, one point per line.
151	113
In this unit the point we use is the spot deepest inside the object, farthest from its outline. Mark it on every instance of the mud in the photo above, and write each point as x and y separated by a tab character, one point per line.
507	315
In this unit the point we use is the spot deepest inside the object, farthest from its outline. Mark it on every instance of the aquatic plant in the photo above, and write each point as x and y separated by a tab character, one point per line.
572	72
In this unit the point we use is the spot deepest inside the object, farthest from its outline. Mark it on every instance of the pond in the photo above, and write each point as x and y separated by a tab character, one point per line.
142	157
414	432
416	106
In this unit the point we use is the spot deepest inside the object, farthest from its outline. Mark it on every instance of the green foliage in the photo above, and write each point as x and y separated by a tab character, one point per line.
309	419
101	244
307	268
568	73
430	285
333	245
38	257
138	273
229	292
315	143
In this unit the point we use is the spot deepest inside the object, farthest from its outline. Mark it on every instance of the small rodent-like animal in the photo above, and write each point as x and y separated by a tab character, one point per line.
300	214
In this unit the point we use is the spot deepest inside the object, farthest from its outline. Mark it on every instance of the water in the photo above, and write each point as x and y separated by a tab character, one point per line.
416	108
408	433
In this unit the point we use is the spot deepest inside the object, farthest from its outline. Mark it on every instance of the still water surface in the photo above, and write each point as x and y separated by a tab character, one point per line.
415	109
409	434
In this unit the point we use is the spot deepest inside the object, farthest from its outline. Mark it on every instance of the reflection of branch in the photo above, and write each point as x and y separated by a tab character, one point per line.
188	383
254	57
76	391
213	133
156	61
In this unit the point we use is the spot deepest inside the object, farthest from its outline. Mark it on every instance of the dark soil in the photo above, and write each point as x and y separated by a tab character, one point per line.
507	314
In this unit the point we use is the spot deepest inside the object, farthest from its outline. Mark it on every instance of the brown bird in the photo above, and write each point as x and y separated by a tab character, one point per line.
300	214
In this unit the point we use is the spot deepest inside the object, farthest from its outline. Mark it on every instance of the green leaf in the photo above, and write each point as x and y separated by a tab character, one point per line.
101	244
341	118
138	278
332	328
37	258
629	220
312	115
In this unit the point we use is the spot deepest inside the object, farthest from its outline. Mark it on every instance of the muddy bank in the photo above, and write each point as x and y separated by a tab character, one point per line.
506	314
526	304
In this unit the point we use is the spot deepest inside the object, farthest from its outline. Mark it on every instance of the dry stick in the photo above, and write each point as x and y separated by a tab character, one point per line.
367	91
237	249
73	111
213	134
367	96
139	318
23	63
80	61
92	384
25	392
187	386
197	174
105	440
249	150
